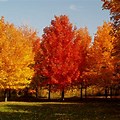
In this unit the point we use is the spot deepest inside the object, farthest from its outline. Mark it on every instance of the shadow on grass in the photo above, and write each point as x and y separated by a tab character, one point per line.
70	99
60	111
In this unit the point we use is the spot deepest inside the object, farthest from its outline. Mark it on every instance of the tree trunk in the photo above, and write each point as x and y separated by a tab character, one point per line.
49	91
36	91
85	92
81	91
111	92
9	93
62	95
5	95
106	92
40	90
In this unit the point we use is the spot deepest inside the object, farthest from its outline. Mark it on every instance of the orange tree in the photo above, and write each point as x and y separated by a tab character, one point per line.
37	78
82	44
100	59
57	61
114	7
16	57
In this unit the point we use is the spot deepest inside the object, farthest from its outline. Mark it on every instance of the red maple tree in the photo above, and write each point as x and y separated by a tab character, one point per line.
57	59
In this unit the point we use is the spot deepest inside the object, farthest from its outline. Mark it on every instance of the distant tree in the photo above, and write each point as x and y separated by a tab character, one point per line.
37	80
82	44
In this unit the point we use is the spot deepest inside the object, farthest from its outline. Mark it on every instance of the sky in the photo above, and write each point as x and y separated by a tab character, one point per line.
38	13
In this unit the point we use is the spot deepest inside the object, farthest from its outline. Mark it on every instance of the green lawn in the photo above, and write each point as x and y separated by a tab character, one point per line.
59	111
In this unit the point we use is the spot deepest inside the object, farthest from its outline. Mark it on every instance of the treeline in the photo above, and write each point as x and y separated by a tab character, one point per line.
63	57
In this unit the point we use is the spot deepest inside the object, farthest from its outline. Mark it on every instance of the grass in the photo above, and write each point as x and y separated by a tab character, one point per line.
60	110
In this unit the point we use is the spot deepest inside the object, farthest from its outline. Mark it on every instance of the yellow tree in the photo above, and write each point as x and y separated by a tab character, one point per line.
16	56
100	59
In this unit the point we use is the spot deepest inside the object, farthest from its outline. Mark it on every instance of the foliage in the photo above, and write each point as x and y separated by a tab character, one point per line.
100	60
82	44
16	56
114	7
57	61
63	57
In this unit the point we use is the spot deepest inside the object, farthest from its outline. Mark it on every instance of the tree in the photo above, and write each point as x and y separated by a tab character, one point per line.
82	43
114	7
16	57
57	60
37	78
100	59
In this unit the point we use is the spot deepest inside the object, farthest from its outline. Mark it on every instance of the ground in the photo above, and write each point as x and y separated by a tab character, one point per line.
91	110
